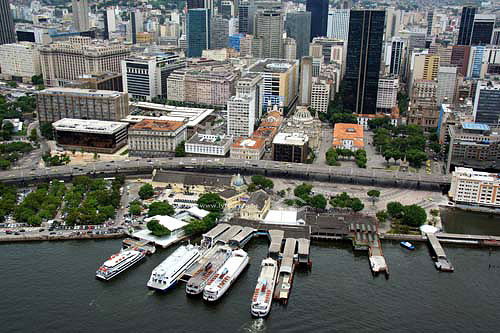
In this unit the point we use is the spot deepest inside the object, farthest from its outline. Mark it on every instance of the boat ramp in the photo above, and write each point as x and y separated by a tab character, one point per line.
442	263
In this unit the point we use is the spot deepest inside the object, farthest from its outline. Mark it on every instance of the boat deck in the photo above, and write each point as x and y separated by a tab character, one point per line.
202	275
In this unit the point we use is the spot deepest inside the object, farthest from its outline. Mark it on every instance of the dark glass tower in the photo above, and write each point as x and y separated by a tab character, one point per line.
364	51
7	33
319	17
198	31
482	30
466	25
297	26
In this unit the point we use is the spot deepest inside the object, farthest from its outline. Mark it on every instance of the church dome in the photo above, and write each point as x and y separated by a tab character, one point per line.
302	115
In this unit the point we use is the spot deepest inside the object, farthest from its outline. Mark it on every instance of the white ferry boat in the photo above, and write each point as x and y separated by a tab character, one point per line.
166	274
263	295
119	262
208	269
225	276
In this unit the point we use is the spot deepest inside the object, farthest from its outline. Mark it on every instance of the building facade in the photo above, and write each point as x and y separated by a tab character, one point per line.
207	144
155	138
198	31
387	96
487	102
364	50
348	136
7	30
66	61
80	15
447	83
319	13
320	95
338	24
57	103
248	149
290	147
145	76
475	187
298	27
269	28
19	61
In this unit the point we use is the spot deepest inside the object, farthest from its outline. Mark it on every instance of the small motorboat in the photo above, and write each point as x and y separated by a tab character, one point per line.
408	245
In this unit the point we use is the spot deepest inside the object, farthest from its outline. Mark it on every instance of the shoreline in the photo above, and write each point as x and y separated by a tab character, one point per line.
40	238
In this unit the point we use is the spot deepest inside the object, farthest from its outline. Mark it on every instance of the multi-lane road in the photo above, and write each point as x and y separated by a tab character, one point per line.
141	166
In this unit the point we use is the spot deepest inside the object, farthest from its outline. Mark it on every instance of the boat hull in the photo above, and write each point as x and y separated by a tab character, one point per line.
110	276
212	298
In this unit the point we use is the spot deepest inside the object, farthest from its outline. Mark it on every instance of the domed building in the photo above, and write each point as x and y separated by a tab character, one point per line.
303	122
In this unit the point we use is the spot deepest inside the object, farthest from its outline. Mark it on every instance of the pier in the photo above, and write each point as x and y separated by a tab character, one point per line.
140	245
303	252
286	271
442	262
210	237
229	234
276	237
242	238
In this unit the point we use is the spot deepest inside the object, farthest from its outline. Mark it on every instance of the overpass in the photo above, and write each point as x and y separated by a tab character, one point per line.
307	172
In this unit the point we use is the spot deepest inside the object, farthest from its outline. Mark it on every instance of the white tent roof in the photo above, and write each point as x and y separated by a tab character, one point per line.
428	229
198	212
168	222
288	217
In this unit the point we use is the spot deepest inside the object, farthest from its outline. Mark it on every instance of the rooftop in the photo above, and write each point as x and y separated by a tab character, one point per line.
475	127
209	140
258	199
83	92
352	132
272	65
158	125
88	126
251	143
296	139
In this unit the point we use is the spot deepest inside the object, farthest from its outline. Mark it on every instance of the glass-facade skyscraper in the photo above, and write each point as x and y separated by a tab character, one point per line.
198	31
364	51
466	25
298	27
319	17
7	33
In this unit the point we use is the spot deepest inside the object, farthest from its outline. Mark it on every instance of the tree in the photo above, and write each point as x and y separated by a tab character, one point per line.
331	157
47	131
33	135
12	84
135	209
262	182
395	209
374	195
435	212
146	191
157	229
180	150
37	79
4	164
303	191
382	215
414	216
318	201
160	208
211	202
252	187
357	205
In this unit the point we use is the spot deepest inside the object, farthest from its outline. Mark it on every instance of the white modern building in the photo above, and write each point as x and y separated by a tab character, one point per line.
156	138
145	76
387	94
320	95
338	24
447	83
475	187
241	115
207	144
20	61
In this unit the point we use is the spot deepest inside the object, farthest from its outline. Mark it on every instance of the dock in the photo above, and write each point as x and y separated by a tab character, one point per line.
229	234
141	245
442	263
214	233
286	271
377	259
242	238
303	252
366	238
205	268
276	237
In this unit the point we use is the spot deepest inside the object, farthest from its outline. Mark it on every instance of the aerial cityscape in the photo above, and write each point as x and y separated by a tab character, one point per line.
249	165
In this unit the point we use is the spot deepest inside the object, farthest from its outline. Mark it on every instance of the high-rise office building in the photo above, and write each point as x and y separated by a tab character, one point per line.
495	38
319	15
475	29
466	25
305	80
136	24
447	83
430	22
198	31
482	30
7	33
269	28
289	49
486	103
395	55
298	27
364	50
338	24
80	15
219	32
244	9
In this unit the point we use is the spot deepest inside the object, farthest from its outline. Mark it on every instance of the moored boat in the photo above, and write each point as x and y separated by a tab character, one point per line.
166	274
118	263
407	245
263	294
200	278
225	276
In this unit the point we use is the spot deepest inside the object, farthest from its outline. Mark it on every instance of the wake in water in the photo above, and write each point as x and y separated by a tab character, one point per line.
256	325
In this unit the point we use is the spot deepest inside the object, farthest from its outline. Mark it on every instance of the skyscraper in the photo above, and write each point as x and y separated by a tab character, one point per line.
430	22
7	33
298	27
269	27
219	32
482	29
80	15
364	50
198	31
136	24
338	24
466	24
319	15
397	47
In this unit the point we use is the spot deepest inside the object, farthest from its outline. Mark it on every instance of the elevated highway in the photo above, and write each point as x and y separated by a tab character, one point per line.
144	166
